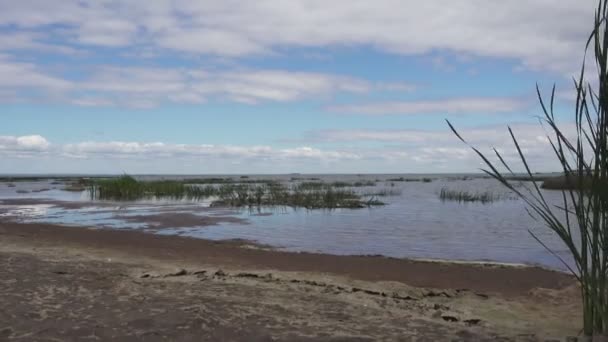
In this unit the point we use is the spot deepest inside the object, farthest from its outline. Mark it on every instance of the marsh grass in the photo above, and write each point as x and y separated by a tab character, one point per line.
385	192
581	220
311	195
357	184
565	183
318	185
403	179
466	196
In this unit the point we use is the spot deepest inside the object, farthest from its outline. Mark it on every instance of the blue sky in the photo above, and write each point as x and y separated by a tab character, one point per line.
279	87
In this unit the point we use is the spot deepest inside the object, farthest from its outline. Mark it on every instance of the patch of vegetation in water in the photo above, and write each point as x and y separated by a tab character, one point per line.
337	184
403	179
466	196
567	182
386	192
127	188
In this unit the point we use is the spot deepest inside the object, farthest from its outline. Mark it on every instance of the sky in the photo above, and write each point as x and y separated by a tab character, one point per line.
275	86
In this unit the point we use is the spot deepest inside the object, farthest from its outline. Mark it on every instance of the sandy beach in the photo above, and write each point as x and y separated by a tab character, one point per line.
74	283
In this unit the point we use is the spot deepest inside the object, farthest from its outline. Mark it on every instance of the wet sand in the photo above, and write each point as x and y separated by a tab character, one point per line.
75	283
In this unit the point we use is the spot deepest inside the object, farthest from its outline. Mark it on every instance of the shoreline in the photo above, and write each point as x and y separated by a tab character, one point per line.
71	283
504	279
157	222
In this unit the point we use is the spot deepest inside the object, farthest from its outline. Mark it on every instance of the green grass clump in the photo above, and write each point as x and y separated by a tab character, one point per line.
311	195
357	184
466	196
386	192
127	188
310	186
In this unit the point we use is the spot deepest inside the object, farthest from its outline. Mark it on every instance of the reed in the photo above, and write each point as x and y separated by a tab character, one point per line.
337	184
466	196
385	192
581	221
565	183
307	195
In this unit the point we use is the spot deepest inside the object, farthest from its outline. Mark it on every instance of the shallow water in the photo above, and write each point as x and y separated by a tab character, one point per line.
414	224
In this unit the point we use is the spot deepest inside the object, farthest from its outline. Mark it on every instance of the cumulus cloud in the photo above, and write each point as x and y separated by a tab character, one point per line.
442	106
27	143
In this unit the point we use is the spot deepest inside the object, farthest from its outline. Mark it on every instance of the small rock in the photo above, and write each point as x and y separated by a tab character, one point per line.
449	318
437	314
149	275
220	273
441	307
370	292
178	273
247	275
444	293
472	321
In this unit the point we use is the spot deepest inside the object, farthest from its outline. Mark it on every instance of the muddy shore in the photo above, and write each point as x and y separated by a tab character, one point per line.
76	283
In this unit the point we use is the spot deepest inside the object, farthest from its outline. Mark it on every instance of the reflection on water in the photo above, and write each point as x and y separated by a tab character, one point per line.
415	223
25	211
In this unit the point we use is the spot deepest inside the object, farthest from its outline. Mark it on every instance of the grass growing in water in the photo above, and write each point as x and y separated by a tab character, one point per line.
229	194
466	196
386	192
403	179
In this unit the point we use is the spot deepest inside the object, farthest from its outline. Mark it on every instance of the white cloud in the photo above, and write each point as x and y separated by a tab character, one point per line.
158	149
541	34
90	101
28	40
314	153
444	148
147	87
493	135
109	32
210	41
27	143
441	106
15	74
511	30
277	85
391	151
